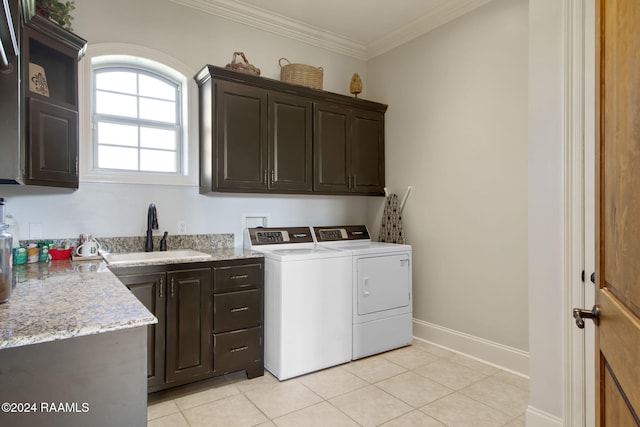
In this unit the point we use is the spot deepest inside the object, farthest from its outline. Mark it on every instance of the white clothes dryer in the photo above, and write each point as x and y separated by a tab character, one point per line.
382	313
307	324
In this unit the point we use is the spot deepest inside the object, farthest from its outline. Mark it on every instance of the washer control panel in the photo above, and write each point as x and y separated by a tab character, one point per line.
275	236
266	237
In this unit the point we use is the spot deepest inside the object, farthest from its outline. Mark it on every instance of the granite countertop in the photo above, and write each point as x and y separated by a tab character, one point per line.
65	299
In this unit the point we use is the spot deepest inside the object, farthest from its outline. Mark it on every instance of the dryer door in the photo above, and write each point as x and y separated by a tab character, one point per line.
384	283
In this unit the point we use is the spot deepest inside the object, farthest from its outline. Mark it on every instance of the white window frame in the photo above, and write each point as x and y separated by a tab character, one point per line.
123	54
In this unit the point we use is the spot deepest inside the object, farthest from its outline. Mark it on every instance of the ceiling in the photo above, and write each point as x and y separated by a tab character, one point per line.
359	28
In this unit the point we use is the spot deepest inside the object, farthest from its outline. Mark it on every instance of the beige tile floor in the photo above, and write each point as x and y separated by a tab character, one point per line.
419	385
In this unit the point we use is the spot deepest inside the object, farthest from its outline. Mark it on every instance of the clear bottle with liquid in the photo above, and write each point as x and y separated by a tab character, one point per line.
6	243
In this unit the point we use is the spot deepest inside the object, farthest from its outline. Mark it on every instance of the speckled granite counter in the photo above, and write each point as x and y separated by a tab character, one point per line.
64	299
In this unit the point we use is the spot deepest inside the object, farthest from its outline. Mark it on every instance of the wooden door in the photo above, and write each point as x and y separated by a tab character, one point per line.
290	152
331	139
618	214
52	145
367	152
188	324
150	291
241	148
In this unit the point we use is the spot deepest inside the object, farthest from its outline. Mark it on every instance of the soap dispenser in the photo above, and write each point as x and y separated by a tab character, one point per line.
6	242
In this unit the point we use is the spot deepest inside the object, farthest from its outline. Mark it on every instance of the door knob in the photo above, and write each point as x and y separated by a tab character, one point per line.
580	315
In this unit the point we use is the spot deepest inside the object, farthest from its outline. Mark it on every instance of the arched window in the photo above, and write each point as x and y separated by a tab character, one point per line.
138	119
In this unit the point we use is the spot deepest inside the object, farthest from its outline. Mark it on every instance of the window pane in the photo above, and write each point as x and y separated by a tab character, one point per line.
115	134
155	88
117	158
164	139
157	161
162	111
117	105
117	81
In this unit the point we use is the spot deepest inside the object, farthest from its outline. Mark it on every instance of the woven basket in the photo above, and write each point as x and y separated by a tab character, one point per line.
239	66
301	74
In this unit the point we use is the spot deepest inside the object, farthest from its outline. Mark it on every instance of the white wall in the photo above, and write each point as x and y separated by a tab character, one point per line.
546	212
194	38
456	130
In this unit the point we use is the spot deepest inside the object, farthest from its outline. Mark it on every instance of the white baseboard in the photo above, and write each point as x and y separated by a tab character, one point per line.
501	356
537	418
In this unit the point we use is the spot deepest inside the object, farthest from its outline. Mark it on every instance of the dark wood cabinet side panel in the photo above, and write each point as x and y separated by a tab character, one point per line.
206	123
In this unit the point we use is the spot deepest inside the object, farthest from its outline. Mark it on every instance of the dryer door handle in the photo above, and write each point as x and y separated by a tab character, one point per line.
365	286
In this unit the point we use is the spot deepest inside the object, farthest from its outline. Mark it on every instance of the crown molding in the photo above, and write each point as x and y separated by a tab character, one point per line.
278	24
286	27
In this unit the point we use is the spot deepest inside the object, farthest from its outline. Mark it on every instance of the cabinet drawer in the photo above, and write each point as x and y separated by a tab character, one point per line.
237	310
237	277
236	350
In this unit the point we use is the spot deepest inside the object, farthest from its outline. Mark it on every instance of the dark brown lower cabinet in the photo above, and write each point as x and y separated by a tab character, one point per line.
200	334
238	315
148	288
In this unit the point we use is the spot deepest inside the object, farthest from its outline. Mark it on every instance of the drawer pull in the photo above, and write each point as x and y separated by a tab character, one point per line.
235	350
239	276
237	309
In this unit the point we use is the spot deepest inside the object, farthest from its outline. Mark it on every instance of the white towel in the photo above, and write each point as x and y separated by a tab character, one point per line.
391	226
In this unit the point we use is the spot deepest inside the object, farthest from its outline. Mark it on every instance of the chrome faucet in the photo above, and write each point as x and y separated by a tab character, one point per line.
152	224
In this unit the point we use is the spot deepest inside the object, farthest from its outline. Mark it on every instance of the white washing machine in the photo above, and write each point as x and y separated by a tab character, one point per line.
382	314
307	324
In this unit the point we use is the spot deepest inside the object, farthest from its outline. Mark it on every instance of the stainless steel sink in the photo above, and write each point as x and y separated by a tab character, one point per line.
182	255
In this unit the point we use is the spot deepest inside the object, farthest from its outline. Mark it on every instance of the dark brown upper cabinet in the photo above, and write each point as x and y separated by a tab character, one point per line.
263	135
349	150
50	118
40	127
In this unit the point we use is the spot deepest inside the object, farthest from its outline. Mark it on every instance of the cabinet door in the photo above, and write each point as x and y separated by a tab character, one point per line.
241	137
188	323
290	150
367	152
52	145
331	148
150	290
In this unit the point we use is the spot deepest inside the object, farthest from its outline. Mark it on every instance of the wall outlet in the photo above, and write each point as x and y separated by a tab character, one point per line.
182	227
